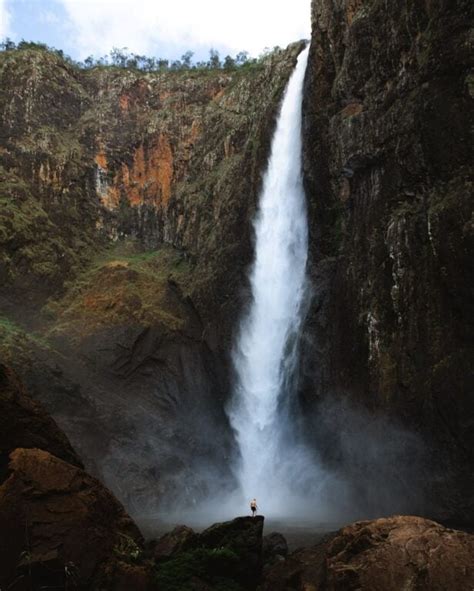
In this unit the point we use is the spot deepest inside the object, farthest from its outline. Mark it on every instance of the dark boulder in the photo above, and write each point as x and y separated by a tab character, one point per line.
243	536
59	525
225	556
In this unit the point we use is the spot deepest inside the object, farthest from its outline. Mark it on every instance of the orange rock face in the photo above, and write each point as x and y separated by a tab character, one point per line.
147	179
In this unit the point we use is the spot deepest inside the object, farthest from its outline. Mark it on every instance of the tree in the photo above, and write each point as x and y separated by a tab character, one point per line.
229	63
186	59
8	44
241	58
214	60
119	57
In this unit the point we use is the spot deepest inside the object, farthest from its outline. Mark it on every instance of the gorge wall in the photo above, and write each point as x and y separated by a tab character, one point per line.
388	168
125	235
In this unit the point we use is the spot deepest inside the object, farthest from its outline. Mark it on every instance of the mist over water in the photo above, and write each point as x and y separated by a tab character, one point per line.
364	470
273	462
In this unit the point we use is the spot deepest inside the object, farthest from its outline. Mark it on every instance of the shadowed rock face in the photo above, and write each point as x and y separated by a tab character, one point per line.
391	554
24	423
58	515
59	525
388	166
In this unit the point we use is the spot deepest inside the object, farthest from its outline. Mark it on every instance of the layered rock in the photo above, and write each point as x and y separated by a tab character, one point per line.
388	167
391	554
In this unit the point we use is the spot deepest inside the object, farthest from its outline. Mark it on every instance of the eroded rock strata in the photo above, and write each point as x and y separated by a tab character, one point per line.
388	168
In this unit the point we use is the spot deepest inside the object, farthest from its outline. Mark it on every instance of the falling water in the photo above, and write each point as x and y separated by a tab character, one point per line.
265	355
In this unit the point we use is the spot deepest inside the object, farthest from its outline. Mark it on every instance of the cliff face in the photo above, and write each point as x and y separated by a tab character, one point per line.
388	166
92	156
126	201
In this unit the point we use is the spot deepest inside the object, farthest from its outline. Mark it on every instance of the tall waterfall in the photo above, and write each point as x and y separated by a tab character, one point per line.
265	354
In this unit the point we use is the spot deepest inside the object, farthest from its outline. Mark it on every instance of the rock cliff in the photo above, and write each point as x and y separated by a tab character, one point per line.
125	208
126	201
388	168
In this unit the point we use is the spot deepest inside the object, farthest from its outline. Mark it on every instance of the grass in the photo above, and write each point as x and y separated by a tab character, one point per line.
17	344
124	285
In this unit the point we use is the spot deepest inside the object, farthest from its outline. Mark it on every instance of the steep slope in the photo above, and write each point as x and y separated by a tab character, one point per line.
388	163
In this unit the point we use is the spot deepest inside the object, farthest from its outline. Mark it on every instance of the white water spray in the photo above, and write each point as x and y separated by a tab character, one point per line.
272	466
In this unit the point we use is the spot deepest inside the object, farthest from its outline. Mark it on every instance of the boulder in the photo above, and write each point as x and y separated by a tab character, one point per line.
401	552
59	525
177	540
243	536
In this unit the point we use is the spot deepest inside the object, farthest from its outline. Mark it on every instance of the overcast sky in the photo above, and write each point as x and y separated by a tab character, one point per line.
165	28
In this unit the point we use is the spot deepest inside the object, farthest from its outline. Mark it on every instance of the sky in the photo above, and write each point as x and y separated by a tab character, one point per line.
159	28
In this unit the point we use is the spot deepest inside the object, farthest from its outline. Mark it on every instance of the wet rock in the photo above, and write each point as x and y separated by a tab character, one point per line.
59	524
389	188
401	552
274	548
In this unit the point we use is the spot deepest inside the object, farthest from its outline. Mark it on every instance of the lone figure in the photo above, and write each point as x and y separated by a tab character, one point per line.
253	506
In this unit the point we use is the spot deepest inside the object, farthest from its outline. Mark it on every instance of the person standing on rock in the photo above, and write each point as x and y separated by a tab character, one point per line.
253	506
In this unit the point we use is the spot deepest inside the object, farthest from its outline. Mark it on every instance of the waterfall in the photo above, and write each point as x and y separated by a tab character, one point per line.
272	465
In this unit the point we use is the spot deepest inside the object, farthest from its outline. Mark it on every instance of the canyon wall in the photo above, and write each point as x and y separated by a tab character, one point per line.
388	167
126	200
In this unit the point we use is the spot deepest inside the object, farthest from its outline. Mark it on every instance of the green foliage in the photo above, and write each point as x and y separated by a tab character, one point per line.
17	344
127	549
123	59
123	284
208	565
29	241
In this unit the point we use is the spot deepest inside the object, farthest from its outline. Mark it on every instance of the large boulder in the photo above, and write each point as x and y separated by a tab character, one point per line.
59	523
401	552
224	556
243	536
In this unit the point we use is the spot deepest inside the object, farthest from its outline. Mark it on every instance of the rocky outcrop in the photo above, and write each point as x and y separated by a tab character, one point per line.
60	526
243	536
224	556
59	522
388	167
391	554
